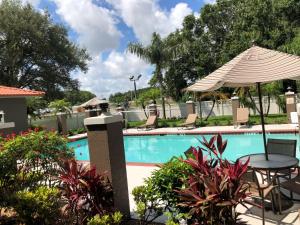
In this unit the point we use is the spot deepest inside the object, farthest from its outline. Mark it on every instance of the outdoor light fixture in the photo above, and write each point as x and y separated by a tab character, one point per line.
134	79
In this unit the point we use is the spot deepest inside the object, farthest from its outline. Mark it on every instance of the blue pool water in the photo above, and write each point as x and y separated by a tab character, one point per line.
159	149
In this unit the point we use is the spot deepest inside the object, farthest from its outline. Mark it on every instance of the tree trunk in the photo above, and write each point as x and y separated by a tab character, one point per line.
162	90
253	102
163	106
144	108
269	104
211	110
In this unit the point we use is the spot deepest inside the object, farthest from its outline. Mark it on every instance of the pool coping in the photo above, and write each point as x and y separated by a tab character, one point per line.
195	131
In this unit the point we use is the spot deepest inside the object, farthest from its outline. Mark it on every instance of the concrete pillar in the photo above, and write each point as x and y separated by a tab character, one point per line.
62	123
235	102
290	98
190	107
106	148
90	113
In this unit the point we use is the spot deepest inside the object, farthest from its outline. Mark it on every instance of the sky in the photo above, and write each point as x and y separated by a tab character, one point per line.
105	27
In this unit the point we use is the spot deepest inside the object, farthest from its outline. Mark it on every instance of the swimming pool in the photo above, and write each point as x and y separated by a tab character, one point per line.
159	149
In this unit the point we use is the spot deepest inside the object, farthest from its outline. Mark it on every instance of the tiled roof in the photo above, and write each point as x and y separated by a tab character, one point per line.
17	92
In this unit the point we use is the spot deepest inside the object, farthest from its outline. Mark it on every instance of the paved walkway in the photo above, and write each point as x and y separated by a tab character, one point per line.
273	128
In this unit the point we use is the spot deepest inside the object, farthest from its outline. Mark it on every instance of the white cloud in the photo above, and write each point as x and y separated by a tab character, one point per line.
95	25
105	77
210	1
146	17
35	3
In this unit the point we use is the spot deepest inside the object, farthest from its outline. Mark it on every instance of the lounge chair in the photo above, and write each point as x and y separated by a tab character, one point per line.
151	123
190	121
294	119
242	116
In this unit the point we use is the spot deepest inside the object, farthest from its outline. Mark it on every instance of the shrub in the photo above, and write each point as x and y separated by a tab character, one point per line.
29	159
85	192
215	187
148	207
157	195
114	219
40	206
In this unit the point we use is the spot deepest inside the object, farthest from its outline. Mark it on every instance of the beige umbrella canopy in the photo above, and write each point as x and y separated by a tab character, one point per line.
256	65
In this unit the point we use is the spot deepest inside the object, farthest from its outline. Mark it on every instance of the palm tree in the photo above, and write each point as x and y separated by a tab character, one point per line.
215	96
158	54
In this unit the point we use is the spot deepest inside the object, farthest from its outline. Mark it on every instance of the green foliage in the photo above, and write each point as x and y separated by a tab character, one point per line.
148	207
77	97
77	131
60	106
220	120
35	105
35	52
157	196
114	219
39	206
28	160
215	186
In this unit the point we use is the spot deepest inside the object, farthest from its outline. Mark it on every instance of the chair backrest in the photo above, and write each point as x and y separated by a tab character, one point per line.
191	118
151	120
294	117
242	114
282	146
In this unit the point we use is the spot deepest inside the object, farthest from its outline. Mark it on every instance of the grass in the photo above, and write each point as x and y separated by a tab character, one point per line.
216	121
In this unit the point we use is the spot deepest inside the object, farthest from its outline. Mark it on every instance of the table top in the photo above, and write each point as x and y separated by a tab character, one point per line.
275	162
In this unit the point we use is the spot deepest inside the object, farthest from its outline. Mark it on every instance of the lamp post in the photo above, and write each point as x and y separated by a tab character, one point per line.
134	79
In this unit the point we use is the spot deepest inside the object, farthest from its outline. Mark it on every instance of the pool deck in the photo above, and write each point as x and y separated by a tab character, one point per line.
137	174
270	128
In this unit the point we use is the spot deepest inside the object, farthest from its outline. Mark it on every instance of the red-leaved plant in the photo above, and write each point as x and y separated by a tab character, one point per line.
215	188
86	192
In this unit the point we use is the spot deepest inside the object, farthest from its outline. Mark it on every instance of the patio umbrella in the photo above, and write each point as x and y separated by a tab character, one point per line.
254	66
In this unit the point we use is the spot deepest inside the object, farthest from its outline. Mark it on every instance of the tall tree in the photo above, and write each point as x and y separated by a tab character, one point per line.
77	97
157	53
35	52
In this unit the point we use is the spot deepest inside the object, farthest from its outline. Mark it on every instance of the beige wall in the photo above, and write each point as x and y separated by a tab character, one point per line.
15	111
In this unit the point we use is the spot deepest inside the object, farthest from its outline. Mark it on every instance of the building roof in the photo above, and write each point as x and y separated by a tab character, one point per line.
93	102
18	92
255	65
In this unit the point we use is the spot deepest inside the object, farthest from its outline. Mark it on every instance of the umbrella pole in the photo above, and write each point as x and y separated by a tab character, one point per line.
262	120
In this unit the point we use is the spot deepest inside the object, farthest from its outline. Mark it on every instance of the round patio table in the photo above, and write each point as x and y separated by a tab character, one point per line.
275	163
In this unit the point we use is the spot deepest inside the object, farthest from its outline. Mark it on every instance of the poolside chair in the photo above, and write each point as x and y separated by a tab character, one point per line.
151	123
190	121
242	116
261	191
294	119
283	147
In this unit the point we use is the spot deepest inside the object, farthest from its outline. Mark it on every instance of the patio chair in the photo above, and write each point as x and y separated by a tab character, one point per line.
282	147
294	119
261	191
150	123
190	121
242	116
292	185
